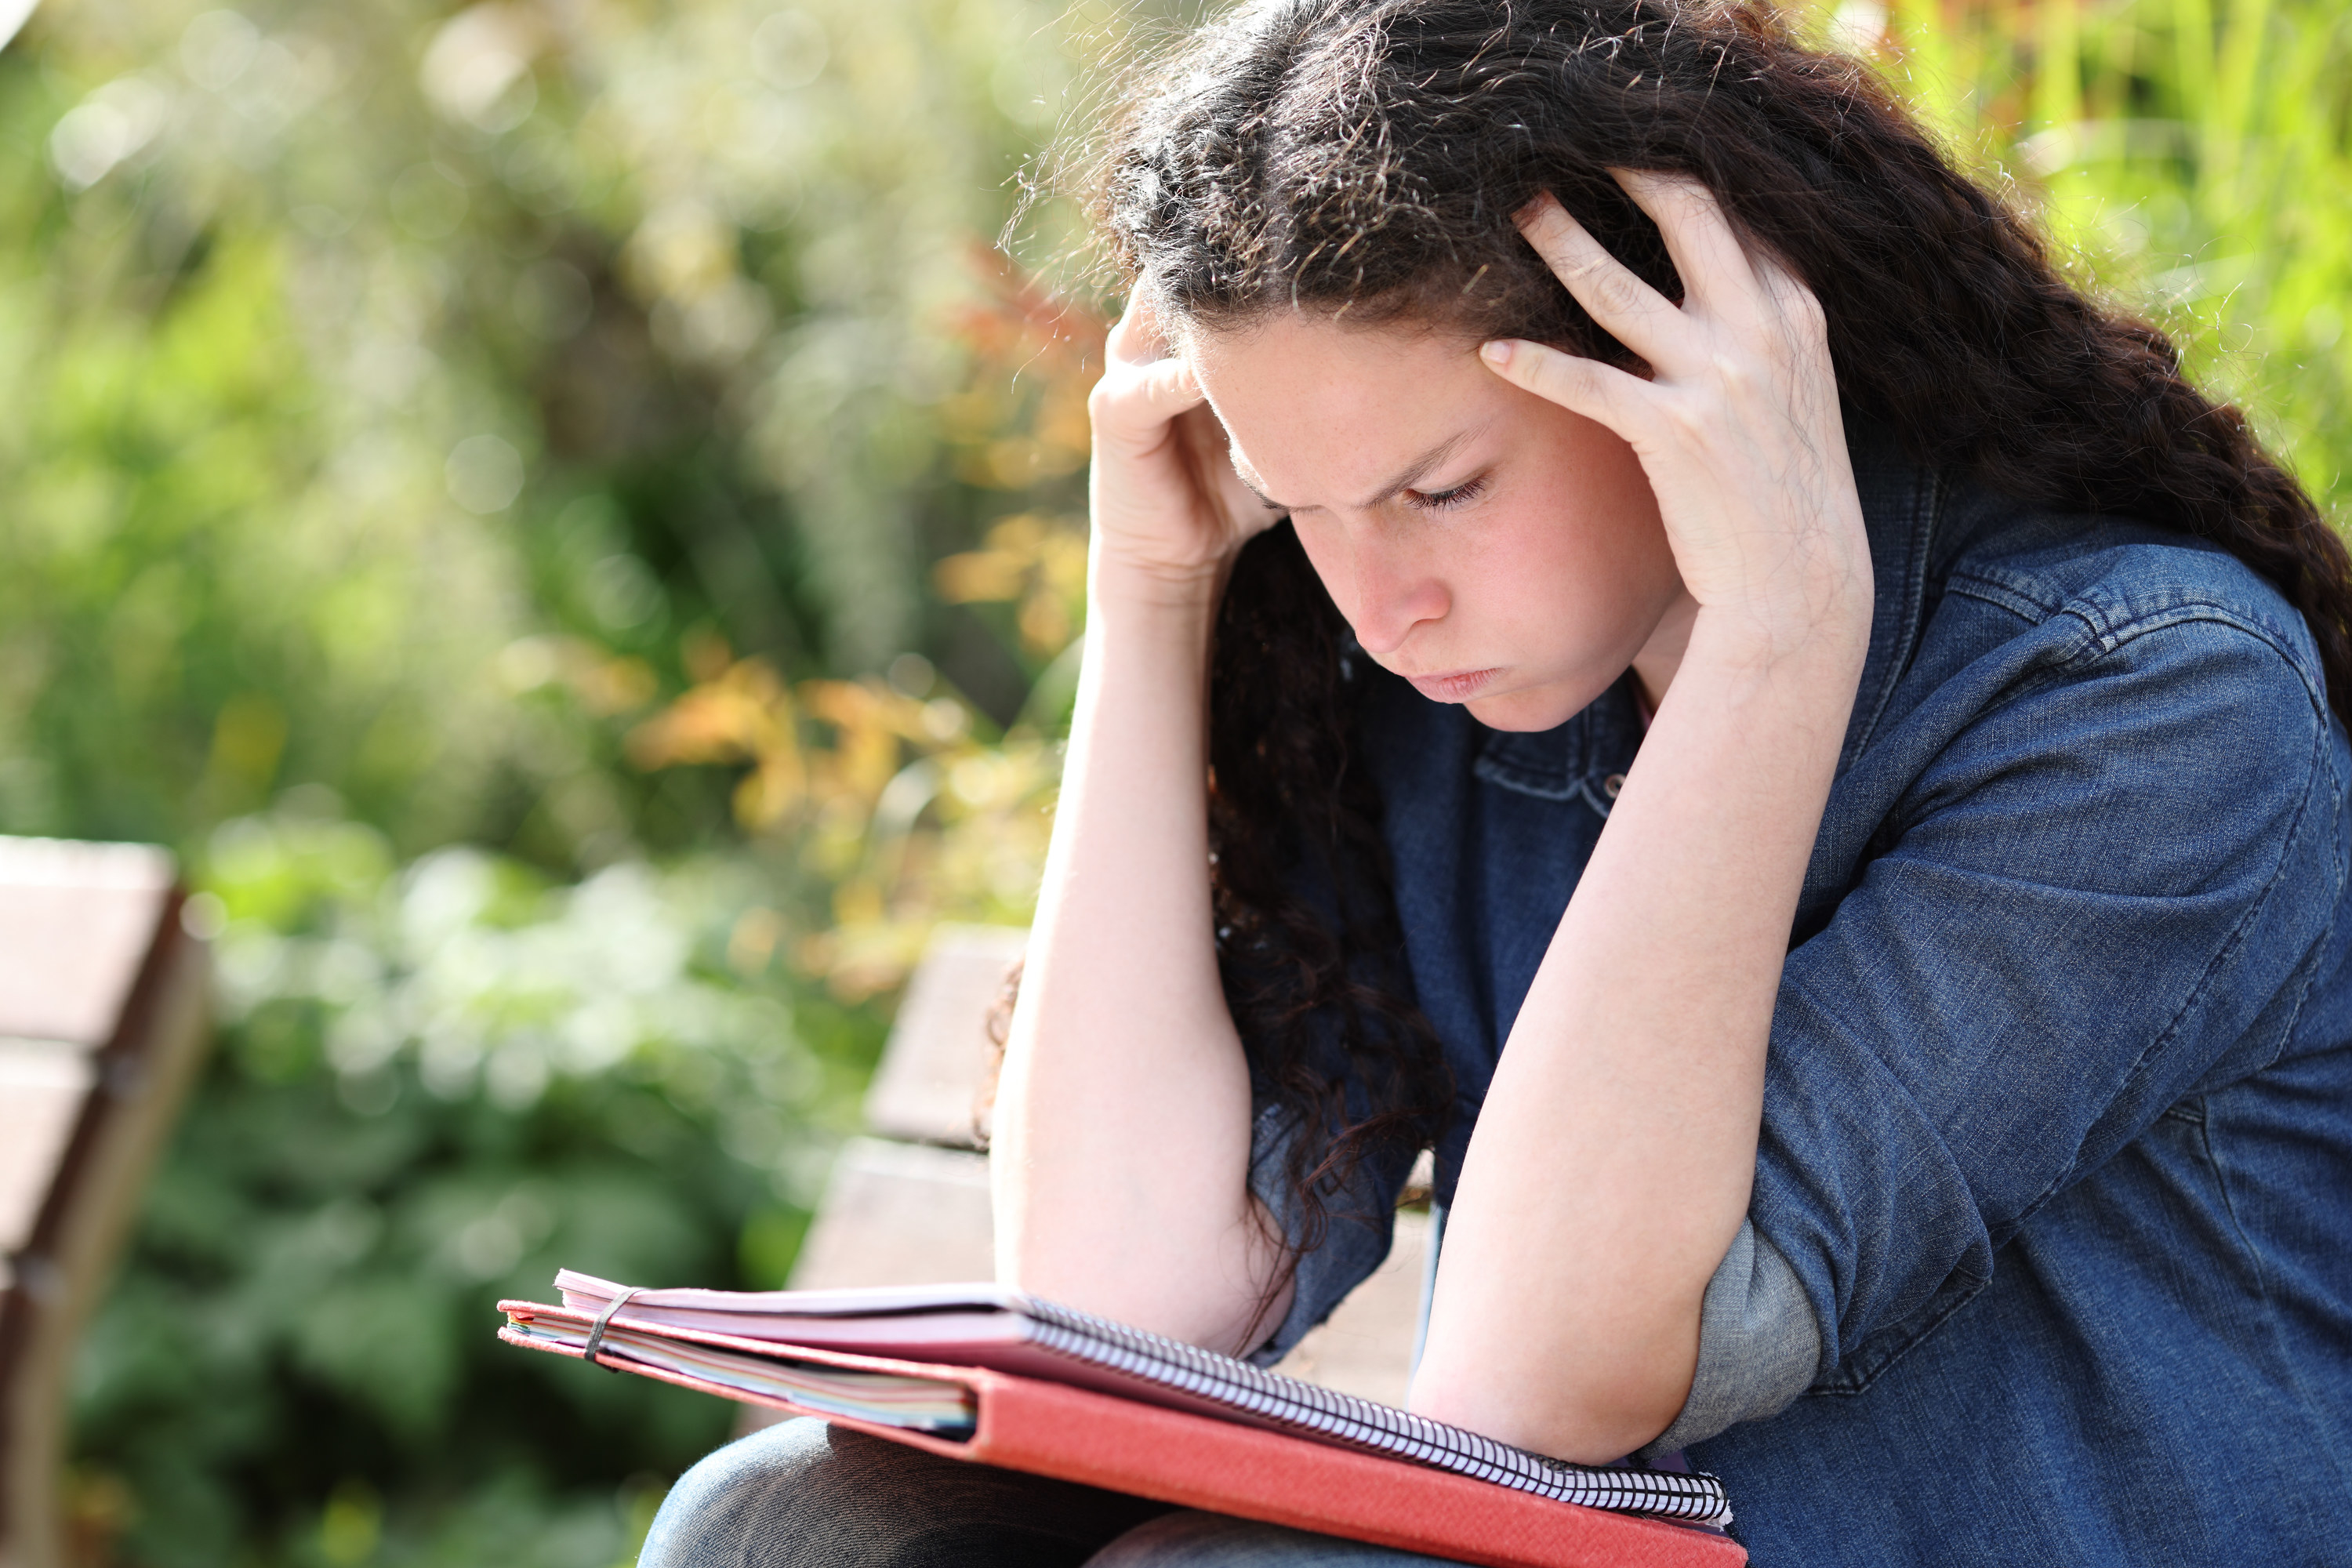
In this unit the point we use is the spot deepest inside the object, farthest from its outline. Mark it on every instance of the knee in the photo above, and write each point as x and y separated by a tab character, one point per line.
733	1508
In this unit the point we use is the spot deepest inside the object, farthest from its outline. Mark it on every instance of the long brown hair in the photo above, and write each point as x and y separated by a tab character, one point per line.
1362	158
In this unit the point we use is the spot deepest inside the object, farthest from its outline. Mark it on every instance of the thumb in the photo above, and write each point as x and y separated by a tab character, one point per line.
1135	405
1168	387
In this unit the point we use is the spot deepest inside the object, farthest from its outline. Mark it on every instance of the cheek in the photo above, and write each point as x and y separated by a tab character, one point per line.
1579	556
1602	525
1582	563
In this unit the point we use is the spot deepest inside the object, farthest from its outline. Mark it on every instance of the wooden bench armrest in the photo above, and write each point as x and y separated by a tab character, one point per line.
102	1024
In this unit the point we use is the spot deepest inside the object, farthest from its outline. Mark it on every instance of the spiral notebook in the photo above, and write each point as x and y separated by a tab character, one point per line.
745	1341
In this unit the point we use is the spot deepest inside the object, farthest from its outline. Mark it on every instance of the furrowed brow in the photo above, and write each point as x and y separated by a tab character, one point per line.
1417	470
1405	478
1250	483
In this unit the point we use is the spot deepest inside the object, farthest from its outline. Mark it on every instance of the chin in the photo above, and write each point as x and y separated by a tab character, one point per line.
1534	709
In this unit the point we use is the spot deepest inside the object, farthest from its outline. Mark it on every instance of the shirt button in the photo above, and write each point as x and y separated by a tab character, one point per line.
1611	786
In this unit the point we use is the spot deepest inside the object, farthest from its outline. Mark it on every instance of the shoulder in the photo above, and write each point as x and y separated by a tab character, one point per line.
2107	707
2148	665
2097	596
2120	582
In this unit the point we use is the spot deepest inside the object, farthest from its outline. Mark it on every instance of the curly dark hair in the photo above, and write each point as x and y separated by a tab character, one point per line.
1362	158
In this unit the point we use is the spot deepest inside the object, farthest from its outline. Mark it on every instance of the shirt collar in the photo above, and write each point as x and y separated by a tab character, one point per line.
1900	502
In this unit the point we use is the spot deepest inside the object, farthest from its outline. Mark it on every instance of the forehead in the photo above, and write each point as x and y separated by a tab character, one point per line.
1317	410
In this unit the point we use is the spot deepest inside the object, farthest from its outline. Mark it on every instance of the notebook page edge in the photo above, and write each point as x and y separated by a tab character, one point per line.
837	1301
1693	1499
1186	1376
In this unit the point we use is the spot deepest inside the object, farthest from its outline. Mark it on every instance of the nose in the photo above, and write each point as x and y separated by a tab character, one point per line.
1393	594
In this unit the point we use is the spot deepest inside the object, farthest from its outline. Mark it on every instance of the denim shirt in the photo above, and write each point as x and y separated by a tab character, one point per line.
2049	1252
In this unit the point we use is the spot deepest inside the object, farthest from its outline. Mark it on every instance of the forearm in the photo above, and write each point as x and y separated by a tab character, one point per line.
1613	1159
1123	1117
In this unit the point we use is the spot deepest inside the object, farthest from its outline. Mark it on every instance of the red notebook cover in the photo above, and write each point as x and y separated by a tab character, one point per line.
1222	1467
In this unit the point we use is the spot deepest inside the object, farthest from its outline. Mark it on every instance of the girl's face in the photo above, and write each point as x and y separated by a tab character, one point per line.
1490	547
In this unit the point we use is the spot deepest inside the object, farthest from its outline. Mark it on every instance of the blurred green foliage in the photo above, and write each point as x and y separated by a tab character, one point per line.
556	512
408	401
2193	157
443	1081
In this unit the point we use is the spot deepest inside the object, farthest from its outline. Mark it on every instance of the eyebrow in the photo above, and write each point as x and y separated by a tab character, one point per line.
1411	474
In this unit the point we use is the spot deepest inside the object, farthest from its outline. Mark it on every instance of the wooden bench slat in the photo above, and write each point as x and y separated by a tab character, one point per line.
928	1084
103	1025
899	1214
76	923
42	1088
915	1211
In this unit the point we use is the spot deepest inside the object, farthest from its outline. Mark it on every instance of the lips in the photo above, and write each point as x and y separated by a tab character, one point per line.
1459	686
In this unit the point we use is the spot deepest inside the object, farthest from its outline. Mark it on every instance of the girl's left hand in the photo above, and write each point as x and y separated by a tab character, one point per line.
1566	1313
1738	426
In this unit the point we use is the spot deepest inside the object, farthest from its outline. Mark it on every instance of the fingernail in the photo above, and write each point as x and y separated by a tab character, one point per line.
1496	353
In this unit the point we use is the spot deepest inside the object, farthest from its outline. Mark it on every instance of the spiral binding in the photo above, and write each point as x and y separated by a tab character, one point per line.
1327	1413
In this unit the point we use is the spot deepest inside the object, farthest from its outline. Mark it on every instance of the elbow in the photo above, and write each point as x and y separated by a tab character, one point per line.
1594	1416
1207	1289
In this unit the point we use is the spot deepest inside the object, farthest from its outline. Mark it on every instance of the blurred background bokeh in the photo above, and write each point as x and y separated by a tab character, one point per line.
563	515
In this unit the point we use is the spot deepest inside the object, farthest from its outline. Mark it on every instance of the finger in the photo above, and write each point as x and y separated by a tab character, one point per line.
1791	298
1600	392
1715	266
1630	311
1135	404
1168	387
1136	336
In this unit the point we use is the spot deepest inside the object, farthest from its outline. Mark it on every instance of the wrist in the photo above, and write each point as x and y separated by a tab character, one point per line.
1823	628
1123	587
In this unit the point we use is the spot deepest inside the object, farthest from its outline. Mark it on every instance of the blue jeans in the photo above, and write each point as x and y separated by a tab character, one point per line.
806	1495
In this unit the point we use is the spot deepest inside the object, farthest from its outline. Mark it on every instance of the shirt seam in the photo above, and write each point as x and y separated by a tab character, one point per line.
2230	945
2023	606
2110	633
2204	1135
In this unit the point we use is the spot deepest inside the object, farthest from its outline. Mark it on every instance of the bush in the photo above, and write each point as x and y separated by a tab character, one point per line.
435	1085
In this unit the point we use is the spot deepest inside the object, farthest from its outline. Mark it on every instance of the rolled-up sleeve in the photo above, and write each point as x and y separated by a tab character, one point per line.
1760	1344
2101	896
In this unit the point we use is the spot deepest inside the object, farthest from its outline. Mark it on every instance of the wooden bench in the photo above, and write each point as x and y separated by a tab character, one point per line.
907	1205
103	1009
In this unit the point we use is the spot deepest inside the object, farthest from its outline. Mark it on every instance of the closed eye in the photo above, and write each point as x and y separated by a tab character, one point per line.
1440	501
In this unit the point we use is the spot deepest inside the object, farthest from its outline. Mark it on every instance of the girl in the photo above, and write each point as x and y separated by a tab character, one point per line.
1642	637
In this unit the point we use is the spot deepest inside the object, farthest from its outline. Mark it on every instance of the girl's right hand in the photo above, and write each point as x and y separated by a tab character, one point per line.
1167	504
